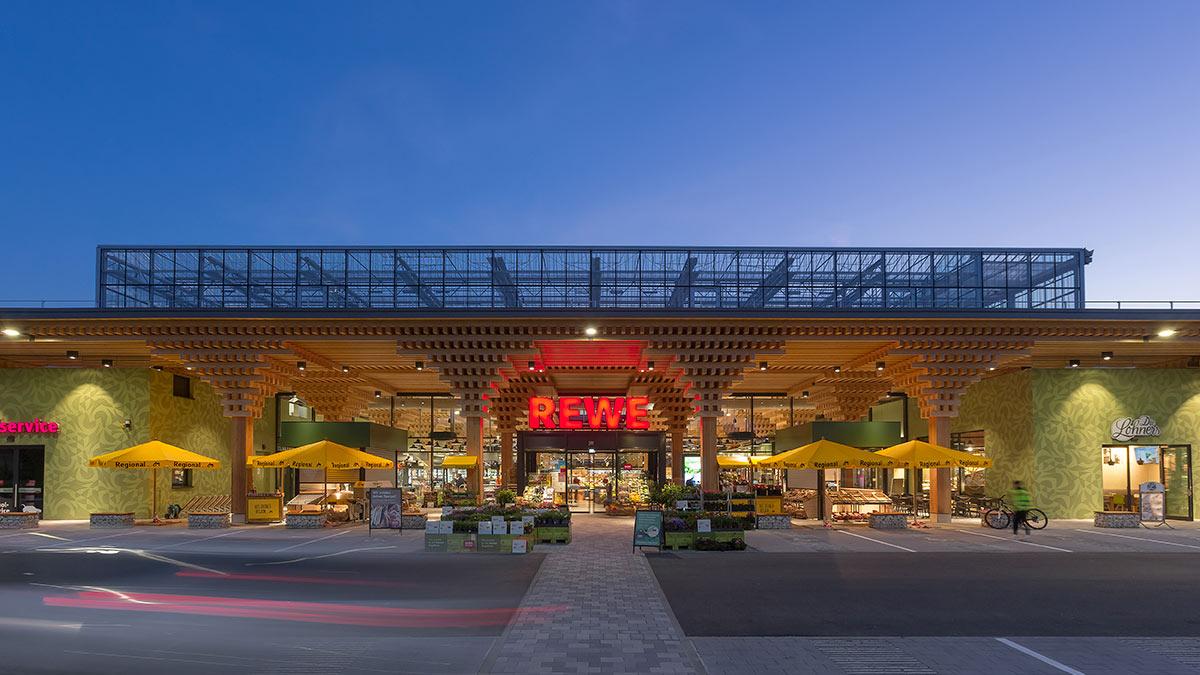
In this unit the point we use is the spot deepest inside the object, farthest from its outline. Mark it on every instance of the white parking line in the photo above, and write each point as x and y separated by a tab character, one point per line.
311	541
877	541
196	541
107	536
1040	657
1015	541
1126	536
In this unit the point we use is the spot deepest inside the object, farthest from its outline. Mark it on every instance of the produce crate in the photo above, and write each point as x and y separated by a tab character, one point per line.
547	534
676	541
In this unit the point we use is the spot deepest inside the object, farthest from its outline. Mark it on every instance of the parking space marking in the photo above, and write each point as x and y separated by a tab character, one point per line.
1126	536
1015	541
1040	657
877	541
107	536
311	541
196	541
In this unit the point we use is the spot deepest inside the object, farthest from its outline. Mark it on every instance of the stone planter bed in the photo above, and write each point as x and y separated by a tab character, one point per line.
1117	519
305	521
413	521
208	520
109	521
888	521
18	520
776	522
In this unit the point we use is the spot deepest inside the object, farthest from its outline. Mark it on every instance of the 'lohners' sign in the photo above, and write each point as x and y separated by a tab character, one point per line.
1129	428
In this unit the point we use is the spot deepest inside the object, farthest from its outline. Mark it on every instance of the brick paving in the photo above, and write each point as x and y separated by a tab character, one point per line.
616	619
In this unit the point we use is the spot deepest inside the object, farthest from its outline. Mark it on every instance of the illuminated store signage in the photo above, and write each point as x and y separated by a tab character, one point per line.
1129	428
592	412
35	427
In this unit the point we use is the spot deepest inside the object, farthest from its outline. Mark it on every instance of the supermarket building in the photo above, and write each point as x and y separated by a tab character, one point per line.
426	354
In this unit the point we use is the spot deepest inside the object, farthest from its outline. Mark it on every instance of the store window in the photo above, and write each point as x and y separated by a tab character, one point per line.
1125	467
181	386
181	478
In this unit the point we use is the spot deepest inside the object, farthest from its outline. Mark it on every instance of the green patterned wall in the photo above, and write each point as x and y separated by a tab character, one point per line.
1002	407
90	407
1073	412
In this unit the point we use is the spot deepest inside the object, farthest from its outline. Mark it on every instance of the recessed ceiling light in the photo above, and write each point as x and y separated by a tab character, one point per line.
107	363
378	394
837	369
1164	333
345	369
879	365
1107	356
72	354
11	332
590	331
532	365
991	367
420	365
762	365
649	365
301	365
804	394
1074	363
191	367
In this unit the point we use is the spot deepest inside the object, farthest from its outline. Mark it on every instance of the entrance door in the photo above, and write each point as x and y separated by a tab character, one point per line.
590	480
22	471
1177	478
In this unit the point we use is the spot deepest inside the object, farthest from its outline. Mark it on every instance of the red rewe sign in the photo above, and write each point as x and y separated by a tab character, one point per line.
592	412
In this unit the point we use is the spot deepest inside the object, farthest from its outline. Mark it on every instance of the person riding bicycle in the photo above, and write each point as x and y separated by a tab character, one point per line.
1021	502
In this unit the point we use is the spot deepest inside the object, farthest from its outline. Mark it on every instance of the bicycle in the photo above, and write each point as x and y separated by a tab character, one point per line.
1000	517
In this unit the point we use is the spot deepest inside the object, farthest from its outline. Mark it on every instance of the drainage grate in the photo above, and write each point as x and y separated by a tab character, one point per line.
870	657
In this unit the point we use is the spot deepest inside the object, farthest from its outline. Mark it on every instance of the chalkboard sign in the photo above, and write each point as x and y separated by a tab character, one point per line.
647	528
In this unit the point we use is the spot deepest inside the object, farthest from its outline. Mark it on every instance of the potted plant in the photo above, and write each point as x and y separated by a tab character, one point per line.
553	526
679	531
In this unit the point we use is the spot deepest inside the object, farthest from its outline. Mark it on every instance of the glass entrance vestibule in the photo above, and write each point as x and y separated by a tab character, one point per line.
1125	467
590	471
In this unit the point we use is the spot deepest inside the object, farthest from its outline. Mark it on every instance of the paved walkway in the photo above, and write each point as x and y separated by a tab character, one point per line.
616	620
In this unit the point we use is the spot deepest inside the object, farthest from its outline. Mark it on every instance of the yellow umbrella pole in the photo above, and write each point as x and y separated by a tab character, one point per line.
154	495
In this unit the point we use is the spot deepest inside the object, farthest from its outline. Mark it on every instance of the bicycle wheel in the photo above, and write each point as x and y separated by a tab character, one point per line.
997	519
1036	519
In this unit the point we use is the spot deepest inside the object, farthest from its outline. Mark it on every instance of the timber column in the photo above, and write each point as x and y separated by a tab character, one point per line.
473	421
939	373
241	448
677	455
507	465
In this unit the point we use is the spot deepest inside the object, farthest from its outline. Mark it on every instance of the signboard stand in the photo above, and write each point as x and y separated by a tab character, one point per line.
647	529
1152	499
390	505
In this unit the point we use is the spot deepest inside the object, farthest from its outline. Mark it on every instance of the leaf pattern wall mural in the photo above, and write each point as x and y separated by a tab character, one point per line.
90	406
1073	410
1003	408
194	424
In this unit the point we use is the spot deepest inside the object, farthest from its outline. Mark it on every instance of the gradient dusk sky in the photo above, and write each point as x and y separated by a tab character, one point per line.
685	123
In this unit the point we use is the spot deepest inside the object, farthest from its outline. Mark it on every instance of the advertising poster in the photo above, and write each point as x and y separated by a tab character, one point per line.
387	508
647	528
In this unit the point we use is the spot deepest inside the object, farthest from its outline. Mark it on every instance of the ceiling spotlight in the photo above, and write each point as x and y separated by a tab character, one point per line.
301	365
649	365
72	354
1107	356
157	368
1074	363
1164	333
879	365
590	331
762	365
804	394
11	332
837	369
378	394
345	369
991	367
532	365
107	363
457	412
420	365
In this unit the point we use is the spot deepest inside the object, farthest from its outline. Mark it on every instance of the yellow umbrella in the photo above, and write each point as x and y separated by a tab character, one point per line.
154	455
732	462
826	454
321	455
922	455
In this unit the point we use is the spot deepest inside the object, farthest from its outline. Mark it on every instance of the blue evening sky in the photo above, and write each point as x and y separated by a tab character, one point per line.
688	123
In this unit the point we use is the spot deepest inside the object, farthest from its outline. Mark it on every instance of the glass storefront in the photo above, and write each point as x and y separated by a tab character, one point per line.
1125	467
